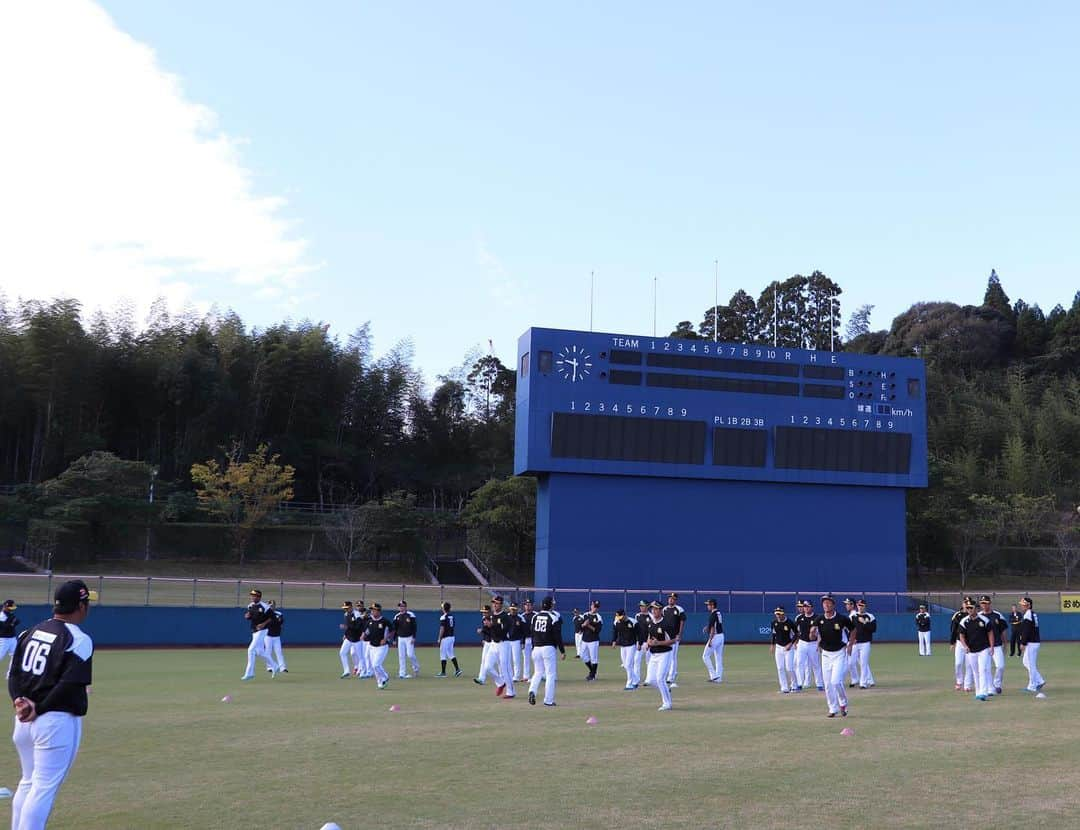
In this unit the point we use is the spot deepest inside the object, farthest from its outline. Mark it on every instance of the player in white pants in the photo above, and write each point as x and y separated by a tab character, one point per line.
625	638
713	656
377	636
782	648
661	643
835	635
807	655
997	651
675	620
853	667
977	634
446	642
273	638
527	615
865	626
547	636
405	634
8	623
1030	641
591	625
922	626
258	614
488	655
642	622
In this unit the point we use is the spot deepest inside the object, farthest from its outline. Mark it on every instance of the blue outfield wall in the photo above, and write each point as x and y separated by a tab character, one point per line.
171	626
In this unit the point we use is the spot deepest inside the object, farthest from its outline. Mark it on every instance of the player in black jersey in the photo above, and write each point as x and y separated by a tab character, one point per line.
273	637
576	617
50	671
527	615
1014	634
547	636
835	638
8	625
257	614
922	625
713	656
977	634
807	657
591	625
624	632
1030	643
502	646
377	635
865	626
352	629
642	621
782	648
675	622
661	643
964	679
446	641
405	633
515	637
997	651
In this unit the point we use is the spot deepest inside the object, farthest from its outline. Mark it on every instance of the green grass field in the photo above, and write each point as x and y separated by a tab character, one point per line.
161	749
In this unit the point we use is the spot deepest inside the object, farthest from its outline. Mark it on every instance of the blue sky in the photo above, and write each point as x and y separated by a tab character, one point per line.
454	172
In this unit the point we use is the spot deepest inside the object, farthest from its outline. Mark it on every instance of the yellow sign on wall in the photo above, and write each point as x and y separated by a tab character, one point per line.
1070	603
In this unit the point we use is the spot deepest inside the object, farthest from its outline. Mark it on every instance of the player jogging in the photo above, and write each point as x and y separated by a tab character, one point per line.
50	670
661	643
446	641
8	623
832	633
547	636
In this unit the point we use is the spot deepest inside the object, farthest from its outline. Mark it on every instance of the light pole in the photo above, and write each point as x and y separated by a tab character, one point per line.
150	510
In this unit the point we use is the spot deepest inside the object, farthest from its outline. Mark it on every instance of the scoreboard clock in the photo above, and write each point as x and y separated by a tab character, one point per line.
666	419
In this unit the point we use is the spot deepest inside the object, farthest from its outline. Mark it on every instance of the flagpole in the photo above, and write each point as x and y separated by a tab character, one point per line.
776	287
654	306
716	301
592	283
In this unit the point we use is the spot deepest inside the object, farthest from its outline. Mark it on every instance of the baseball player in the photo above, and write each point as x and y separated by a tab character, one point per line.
626	640
377	635
922	625
527	643
1029	644
835	638
576	617
865	626
50	670
546	636
353	630
258	614
853	668
446	641
675	620
488	655
1015	618
964	680
273	638
405	634
591	625
807	655
515	636
713	656
642	621
782	647
997	651
977	635
363	651
8	623
661	643
502	646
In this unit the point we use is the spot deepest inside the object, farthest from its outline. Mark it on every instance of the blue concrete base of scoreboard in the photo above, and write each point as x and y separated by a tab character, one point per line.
621	531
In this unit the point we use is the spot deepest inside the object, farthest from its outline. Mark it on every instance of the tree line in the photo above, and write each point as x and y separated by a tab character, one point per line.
187	392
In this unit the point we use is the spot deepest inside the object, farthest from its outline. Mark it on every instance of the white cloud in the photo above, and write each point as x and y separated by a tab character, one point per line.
504	288
112	183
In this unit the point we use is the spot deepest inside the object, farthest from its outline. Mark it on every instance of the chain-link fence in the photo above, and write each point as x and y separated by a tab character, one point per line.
233	593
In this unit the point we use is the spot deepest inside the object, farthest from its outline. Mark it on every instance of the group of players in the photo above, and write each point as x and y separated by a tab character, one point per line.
827	650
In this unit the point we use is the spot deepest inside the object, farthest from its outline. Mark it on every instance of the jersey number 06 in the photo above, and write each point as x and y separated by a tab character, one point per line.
37	653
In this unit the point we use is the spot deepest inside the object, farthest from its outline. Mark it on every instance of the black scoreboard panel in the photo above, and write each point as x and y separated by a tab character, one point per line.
739	447
610	404
622	438
838	450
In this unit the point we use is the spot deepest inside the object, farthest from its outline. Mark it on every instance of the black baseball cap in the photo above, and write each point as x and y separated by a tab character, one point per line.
655	604
861	602
922	604
985	598
346	604
10	603
779	609
69	595
672	595
497	598
254	592
828	597
643	603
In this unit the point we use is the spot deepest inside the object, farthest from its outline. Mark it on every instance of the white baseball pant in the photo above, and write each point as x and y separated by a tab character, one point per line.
505	673
785	666
628	655
660	667
446	648
406	656
526	660
545	668
590	652
924	643
979	663
257	648
377	655
1031	663
347	649
960	664
7	646
47	747
997	657
808	664
861	653
713	657
273	648
834	669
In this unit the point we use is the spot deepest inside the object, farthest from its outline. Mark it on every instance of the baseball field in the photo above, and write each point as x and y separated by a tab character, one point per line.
162	749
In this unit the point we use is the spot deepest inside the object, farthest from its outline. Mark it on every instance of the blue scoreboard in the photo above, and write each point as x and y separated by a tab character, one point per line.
664	461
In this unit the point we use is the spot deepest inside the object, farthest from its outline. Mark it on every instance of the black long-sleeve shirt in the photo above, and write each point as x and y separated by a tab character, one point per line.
626	633
547	630
922	621
1029	628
